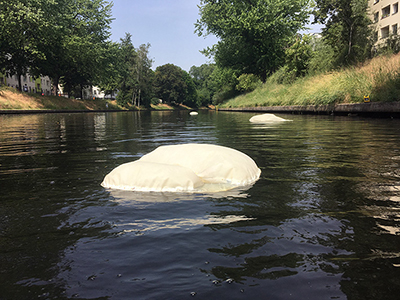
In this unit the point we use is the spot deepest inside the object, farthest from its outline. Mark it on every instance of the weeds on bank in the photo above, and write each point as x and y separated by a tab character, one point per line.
378	78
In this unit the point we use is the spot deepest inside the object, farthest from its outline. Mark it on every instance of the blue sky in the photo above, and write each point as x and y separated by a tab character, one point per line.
168	25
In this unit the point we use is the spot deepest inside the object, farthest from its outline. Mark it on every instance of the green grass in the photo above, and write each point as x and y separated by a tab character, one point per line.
378	78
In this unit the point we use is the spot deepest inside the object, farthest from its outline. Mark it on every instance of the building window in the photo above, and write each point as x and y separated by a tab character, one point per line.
395	8
394	29
385	32
386	12
376	17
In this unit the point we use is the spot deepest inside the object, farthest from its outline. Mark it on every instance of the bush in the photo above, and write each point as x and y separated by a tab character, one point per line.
248	83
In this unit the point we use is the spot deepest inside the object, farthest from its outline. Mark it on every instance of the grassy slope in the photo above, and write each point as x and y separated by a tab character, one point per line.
378	78
10	99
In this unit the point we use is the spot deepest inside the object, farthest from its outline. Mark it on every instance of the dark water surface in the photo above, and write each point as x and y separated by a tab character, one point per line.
323	222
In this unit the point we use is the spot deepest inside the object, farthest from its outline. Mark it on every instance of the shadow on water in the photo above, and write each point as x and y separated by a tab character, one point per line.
321	223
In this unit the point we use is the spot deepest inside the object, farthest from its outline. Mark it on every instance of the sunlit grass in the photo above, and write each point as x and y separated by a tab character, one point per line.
378	78
13	99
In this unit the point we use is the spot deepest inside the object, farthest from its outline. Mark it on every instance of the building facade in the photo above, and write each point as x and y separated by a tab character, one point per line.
386	18
29	84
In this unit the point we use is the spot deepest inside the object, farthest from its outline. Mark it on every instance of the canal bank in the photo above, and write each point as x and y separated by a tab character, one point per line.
378	109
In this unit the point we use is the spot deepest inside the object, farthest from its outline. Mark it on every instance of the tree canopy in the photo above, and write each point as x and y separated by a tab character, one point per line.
253	34
174	85
346	28
59	39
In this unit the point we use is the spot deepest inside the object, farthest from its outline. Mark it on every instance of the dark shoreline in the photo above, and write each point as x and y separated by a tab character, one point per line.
54	111
386	109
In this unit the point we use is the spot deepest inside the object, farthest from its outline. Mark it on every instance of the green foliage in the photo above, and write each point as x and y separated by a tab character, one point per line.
59	39
298	56
21	27
126	64
109	77
143	92
248	83
253	34
322	57
191	97
203	81
347	29
134	77
224	82
378	78
174	85
390	46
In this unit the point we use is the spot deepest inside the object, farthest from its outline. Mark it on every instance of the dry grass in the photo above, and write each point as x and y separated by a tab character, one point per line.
10	99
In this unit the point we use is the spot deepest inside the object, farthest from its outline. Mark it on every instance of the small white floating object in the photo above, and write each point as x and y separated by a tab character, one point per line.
266	118
185	168
193	113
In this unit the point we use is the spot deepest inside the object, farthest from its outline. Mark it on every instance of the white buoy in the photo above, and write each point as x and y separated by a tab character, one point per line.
193	113
267	118
185	168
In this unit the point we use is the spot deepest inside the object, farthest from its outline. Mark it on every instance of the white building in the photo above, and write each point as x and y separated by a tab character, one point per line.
385	16
29	84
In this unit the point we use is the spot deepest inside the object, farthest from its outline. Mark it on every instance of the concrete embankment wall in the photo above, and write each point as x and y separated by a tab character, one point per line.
387	109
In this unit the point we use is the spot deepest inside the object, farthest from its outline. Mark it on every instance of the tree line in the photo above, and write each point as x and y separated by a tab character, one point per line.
69	41
258	38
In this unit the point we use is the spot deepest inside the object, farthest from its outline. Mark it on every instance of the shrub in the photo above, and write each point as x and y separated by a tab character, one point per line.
248	83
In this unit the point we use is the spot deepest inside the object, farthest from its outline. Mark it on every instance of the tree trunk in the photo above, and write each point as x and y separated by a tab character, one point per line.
350	40
19	82
133	98
56	81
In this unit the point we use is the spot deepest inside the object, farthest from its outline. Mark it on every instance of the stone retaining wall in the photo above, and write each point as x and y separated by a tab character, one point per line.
379	109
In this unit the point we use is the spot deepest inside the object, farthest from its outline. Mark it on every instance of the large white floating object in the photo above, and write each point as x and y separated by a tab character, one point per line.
185	168
266	118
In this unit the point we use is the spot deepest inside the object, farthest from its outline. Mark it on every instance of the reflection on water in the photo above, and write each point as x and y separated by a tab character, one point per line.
321	223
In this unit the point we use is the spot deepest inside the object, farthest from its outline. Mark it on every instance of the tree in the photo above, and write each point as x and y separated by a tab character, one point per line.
248	83
204	86
297	58
224	81
190	98
64	38
126	66
346	28
21	25
173	85
88	28
322	57
253	34
143	91
109	77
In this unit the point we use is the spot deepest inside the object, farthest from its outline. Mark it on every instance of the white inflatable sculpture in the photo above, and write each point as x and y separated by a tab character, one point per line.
185	168
266	118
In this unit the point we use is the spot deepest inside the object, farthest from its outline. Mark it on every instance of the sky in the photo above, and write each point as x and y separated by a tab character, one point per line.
168	25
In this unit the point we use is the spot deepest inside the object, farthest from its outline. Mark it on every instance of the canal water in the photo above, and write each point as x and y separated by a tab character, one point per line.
322	222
